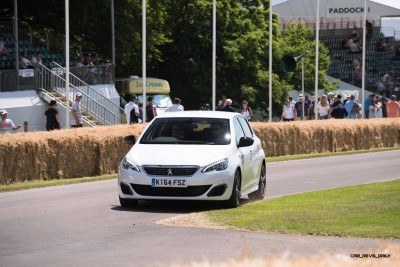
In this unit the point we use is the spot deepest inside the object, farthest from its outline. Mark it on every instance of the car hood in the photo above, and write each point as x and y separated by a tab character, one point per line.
200	155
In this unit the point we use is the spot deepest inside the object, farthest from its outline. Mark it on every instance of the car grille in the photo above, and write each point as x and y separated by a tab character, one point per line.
190	191
170	171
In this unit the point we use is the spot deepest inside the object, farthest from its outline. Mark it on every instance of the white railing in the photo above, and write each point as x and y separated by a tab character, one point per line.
88	89
52	82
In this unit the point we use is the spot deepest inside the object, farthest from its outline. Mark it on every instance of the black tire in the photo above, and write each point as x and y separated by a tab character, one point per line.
234	200
262	185
128	203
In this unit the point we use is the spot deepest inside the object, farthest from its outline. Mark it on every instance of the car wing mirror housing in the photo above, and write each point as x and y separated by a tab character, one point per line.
245	141
130	140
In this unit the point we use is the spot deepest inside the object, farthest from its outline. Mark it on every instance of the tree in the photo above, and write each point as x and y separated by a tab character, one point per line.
295	41
179	44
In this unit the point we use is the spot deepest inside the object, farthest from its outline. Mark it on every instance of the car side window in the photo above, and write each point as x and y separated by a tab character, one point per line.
246	127
238	130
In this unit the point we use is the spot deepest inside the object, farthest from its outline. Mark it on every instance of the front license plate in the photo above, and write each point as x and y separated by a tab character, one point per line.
168	182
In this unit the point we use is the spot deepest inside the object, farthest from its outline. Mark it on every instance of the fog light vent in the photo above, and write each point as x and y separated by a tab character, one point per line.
126	189
217	191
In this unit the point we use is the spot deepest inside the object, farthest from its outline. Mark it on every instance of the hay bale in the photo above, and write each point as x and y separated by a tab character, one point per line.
97	151
63	154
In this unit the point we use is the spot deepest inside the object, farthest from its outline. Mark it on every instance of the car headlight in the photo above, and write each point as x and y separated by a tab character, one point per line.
219	165
126	165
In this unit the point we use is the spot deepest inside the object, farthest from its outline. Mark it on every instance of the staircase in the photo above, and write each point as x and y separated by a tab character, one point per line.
96	109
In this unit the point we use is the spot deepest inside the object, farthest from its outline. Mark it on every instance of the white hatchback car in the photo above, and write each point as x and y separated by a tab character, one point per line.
194	155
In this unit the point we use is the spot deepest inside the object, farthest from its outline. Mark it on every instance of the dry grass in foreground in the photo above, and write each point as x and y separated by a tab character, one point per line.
369	259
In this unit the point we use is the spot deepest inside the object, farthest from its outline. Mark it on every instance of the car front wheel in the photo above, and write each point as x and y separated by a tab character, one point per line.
260	193
234	200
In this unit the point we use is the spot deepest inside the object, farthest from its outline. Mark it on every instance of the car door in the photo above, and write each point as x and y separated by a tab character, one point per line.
254	162
244	154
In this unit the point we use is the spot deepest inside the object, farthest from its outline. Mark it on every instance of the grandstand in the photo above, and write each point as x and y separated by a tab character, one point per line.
25	93
377	62
337	20
30	43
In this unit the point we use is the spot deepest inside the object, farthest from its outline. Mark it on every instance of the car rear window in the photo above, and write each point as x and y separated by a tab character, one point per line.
201	131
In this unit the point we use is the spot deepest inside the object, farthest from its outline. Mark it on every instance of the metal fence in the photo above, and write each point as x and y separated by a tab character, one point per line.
93	104
13	80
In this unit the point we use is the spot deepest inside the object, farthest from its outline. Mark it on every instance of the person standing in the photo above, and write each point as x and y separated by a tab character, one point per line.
7	125
245	110
339	111
288	112
131	111
352	108
384	101
323	108
140	106
76	116
374	109
151	109
176	106
227	106
302	108
393	108
51	117
221	103
379	111
367	104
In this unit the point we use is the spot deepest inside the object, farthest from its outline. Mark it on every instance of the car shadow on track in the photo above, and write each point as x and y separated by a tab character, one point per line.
175	206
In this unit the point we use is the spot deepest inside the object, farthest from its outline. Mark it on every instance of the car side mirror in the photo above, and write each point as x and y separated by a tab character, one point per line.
245	141
130	140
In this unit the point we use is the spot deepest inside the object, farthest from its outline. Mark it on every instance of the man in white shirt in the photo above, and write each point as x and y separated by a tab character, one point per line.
128	108
37	59
176	106
25	62
76	116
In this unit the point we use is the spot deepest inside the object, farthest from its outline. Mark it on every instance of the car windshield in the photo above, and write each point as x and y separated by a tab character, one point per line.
201	131
161	101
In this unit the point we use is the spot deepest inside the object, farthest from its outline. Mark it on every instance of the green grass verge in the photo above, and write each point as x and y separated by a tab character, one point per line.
46	183
328	154
371	210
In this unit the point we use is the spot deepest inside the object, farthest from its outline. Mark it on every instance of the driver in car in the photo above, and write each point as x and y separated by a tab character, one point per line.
217	133
177	131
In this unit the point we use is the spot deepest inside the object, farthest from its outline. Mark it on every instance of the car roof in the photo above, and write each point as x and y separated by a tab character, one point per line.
200	114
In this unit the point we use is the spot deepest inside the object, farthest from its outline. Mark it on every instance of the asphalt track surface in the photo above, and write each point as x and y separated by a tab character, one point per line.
83	224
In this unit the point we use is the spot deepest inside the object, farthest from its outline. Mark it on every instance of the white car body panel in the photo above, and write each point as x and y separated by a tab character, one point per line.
246	160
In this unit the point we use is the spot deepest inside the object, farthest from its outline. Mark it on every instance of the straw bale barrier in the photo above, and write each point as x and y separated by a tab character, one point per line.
95	151
305	137
63	154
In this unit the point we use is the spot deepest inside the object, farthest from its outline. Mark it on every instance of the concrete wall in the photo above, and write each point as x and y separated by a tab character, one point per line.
28	106
24	106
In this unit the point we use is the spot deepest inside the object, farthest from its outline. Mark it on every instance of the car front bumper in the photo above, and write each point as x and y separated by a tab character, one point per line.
214	185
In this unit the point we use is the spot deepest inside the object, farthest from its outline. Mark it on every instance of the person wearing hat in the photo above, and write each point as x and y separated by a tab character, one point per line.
393	108
131	111
51	117
6	124
76	116
301	108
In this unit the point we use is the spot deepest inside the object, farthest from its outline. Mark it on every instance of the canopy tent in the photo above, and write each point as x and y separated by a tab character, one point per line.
295	11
